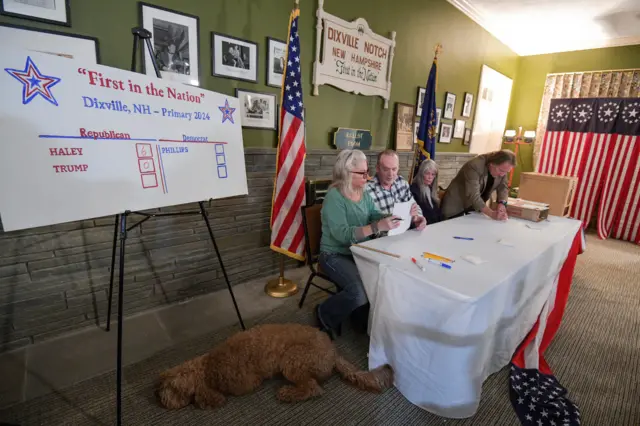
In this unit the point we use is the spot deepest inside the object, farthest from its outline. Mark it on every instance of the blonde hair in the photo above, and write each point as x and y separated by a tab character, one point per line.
345	164
425	190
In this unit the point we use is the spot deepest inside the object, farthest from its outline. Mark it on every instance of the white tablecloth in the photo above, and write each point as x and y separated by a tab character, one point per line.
445	331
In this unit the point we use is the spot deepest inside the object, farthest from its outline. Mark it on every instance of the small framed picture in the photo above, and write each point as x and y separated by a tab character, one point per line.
445	133
405	132
50	11
174	36
458	130
449	105
467	137
276	55
234	58
420	100
438	117
67	45
468	104
257	109
416	127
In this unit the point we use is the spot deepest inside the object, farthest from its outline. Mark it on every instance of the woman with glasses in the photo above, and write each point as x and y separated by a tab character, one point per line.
424	189
348	216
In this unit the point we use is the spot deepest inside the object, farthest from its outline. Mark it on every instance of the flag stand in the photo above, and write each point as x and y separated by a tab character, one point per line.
281	286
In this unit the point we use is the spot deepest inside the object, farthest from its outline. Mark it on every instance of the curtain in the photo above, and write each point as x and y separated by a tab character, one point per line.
597	140
596	84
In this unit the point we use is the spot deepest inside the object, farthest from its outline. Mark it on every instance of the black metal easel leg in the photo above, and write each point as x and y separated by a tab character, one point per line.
224	272
113	264
123	237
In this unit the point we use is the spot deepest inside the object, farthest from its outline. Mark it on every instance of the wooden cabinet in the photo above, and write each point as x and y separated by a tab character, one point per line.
557	191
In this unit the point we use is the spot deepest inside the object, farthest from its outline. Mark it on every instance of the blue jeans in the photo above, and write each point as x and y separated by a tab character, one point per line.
343	272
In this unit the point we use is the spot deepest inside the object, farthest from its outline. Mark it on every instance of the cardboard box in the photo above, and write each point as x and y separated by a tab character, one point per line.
523	209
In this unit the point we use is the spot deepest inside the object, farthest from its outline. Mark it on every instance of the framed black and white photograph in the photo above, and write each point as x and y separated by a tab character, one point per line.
49	11
416	127
468	104
445	133
276	54
174	36
458	130
438	117
420	100
258	110
405	128
234	58
467	137
449	105
67	45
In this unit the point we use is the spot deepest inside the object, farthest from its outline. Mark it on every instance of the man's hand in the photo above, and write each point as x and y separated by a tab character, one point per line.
501	213
419	222
414	210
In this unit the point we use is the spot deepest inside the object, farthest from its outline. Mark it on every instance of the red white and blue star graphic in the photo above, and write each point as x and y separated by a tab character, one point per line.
227	112
34	82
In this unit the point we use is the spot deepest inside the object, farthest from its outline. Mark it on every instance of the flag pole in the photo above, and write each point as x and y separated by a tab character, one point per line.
282	287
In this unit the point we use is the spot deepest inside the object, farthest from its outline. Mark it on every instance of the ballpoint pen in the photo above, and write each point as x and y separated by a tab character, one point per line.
413	259
464	238
435	262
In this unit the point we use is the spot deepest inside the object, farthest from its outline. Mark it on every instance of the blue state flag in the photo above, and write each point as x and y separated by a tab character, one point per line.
426	146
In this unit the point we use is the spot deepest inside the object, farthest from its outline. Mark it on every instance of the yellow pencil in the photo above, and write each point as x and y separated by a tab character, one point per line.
428	255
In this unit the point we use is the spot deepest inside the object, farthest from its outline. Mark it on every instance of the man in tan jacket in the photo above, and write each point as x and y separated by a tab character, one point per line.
476	181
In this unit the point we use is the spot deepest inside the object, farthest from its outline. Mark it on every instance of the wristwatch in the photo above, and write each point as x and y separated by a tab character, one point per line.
503	202
374	227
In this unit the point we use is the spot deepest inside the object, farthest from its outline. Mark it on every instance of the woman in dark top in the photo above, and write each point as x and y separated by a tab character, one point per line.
425	191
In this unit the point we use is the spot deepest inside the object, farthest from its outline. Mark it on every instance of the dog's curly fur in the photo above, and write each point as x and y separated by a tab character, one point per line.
304	355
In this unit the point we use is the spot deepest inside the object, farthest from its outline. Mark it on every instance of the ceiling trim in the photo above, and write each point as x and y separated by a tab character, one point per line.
468	9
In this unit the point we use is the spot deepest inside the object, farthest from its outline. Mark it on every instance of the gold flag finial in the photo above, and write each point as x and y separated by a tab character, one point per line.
296	4
438	49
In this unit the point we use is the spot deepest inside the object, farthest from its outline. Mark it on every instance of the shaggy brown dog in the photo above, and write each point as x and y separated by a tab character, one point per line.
304	355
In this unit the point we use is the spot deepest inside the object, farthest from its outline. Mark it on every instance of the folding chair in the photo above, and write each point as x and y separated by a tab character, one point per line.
312	224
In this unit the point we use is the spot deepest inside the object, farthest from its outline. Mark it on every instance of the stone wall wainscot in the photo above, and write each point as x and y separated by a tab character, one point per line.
54	279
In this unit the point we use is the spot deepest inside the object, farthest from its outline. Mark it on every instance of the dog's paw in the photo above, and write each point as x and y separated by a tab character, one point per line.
290	393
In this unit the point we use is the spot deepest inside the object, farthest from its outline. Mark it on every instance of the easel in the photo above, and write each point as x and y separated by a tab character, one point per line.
140	35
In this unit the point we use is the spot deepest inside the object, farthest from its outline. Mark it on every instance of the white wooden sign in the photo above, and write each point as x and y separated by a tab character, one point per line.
81	140
354	58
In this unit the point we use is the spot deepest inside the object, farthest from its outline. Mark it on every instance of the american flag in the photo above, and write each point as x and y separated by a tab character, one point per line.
287	233
596	140
536	395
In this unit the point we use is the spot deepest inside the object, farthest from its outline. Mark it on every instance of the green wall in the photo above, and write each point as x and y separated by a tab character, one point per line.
531	74
419	25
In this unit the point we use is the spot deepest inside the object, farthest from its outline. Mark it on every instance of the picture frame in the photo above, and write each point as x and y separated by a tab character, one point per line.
458	129
420	100
467	137
175	38
449	105
234	58
46	11
416	127
68	45
445	133
467	105
404	125
276	54
258	110
438	117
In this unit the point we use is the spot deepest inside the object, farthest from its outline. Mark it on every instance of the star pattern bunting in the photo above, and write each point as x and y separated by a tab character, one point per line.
292	99
601	115
539	400
227	112
34	83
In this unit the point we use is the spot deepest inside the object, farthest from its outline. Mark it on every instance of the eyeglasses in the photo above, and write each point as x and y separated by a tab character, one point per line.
364	174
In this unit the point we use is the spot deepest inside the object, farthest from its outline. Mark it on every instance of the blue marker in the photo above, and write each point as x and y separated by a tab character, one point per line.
463	238
435	262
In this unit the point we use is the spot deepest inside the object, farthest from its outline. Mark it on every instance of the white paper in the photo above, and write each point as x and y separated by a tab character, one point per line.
402	210
473	259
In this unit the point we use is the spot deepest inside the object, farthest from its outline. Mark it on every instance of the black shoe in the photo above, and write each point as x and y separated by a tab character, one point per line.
360	319
321	324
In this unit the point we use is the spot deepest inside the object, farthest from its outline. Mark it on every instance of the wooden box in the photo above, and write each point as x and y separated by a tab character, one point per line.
557	191
525	209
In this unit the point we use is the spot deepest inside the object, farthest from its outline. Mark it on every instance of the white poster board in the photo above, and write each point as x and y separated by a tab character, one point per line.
354	58
80	140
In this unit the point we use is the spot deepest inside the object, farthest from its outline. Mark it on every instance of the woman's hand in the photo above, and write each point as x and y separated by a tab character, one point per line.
389	223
